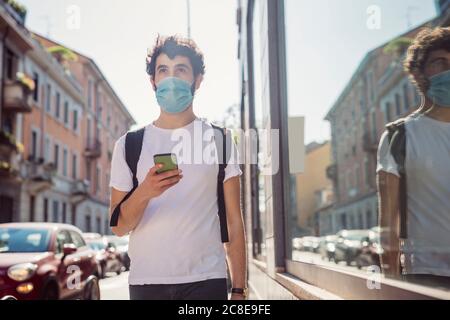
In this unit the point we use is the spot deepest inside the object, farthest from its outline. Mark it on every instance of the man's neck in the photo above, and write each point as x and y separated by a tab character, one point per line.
175	121
439	113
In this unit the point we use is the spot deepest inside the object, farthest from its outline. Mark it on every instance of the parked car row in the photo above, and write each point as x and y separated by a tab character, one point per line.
50	261
359	247
107	257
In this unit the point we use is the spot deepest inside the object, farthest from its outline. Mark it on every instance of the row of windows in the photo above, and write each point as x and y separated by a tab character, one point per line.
60	108
391	111
61	111
400	104
52	154
56	151
60	213
357	220
354	178
99	97
88	227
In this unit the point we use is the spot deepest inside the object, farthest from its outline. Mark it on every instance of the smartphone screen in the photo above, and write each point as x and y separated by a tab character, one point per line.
168	160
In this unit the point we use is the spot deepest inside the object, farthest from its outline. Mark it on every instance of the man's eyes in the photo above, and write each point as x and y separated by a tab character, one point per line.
182	70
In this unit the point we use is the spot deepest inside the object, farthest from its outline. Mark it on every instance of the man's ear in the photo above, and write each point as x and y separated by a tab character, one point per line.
198	81
152	81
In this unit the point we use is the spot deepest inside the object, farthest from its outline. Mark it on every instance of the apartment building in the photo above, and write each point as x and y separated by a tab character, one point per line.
68	136
313	188
15	101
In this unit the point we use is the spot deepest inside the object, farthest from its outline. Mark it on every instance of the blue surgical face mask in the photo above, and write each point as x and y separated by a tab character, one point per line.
439	91
174	95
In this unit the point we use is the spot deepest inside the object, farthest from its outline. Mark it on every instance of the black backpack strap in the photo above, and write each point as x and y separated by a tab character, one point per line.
397	147
133	147
223	145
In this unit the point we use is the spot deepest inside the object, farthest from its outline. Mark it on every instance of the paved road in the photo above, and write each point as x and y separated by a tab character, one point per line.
114	287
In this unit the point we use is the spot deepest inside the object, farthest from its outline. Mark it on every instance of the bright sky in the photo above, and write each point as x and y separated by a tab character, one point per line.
327	40
116	34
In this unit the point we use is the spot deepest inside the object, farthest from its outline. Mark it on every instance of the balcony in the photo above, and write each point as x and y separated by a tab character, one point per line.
93	149
16	11
80	190
39	175
8	145
369	144
7	171
17	97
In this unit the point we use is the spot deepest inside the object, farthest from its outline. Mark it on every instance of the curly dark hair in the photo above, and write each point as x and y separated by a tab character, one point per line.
427	41
173	46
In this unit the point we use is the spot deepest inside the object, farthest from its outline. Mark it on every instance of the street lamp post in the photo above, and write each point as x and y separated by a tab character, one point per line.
188	3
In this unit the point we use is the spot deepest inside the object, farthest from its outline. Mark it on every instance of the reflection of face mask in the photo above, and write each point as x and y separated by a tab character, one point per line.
439	90
174	95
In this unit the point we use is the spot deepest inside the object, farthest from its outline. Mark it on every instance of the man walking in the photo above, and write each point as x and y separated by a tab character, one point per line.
175	247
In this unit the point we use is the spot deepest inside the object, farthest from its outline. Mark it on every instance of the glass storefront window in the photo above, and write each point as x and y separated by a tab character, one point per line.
345	77
260	120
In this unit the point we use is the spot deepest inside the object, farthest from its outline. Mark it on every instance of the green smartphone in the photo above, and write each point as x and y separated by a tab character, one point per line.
168	160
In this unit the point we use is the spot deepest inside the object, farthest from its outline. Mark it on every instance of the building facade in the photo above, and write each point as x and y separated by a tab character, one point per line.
104	119
313	188
68	135
15	101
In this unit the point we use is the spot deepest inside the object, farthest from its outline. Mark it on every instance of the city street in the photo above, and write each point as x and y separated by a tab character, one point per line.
282	150
114	287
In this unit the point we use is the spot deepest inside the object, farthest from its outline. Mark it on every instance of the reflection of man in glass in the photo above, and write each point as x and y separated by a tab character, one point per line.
417	243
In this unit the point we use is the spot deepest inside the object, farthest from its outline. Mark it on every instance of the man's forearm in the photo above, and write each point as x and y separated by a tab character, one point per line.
388	221
236	256
132	211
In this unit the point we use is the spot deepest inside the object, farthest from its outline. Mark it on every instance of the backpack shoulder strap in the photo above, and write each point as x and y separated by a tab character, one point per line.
397	147
397	142
222	146
133	147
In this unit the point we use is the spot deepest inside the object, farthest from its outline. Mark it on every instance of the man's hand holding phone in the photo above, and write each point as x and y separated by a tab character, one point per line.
157	183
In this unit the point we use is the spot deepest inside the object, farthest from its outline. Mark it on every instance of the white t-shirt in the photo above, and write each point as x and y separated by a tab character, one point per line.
427	165
178	238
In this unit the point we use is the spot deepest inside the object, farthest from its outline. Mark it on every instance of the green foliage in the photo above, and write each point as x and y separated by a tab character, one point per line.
398	46
63	52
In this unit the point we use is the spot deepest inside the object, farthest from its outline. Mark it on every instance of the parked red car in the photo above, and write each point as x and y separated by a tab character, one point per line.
46	261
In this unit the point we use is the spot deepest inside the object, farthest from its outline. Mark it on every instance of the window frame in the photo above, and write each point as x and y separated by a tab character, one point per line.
57	247
74	234
48	98
257	236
